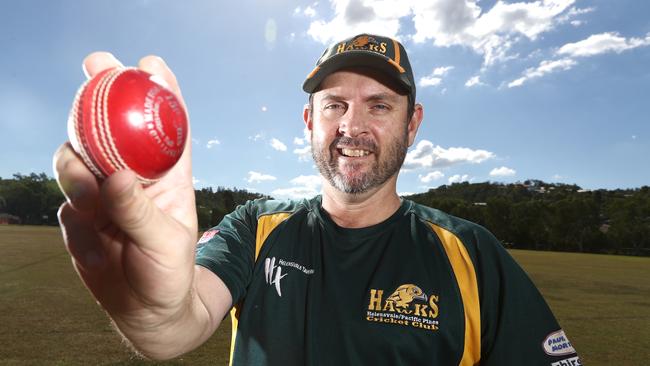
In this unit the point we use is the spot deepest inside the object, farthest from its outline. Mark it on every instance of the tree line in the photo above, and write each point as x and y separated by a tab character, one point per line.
526	215
34	199
544	216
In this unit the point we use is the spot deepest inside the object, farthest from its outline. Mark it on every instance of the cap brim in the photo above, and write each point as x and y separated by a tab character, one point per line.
352	59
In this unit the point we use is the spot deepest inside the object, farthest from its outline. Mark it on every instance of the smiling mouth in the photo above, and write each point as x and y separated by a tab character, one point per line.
353	152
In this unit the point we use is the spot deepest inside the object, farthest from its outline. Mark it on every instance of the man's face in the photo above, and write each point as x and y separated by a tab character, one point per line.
359	130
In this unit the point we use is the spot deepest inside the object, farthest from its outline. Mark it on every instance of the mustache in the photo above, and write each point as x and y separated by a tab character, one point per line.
356	143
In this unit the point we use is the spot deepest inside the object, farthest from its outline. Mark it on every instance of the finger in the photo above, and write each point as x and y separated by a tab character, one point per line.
78	184
128	207
96	62
162	73
81	239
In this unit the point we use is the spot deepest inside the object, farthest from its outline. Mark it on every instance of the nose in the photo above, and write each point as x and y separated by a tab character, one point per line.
354	122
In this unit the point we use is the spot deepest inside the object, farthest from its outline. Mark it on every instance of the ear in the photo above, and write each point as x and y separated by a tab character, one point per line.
414	123
306	116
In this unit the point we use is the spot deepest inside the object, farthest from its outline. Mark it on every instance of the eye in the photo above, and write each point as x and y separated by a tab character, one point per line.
334	109
334	106
380	108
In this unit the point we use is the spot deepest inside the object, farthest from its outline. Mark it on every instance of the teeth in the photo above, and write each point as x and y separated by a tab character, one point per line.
351	152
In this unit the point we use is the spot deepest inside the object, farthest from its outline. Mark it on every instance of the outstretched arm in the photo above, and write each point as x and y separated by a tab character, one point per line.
133	245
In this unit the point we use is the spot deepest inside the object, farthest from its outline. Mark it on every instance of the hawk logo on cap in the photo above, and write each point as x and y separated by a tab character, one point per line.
363	42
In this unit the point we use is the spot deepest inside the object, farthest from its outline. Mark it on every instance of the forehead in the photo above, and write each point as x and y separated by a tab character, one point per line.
361	80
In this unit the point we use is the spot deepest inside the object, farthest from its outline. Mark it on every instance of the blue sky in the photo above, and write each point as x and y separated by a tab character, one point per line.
555	90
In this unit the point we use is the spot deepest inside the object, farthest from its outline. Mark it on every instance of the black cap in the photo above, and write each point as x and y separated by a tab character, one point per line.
377	52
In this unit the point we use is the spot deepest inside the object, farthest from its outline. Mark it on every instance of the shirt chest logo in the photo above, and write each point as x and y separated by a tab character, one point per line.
407	305
274	271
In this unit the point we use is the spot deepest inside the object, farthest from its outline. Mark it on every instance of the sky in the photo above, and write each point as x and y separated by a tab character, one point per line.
555	90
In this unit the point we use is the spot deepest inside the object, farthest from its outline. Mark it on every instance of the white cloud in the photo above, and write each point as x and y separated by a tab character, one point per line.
257	137
195	181
435	78
255	177
264	109
294	192
577	23
309	11
212	143
457	178
353	17
602	43
304	153
442	70
489	32
303	186
473	81
502	172
572	13
312	181
428	178
545	67
278	145
596	44
426	155
298	141
426	81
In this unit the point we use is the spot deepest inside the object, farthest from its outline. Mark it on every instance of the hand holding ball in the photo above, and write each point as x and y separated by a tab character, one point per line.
122	119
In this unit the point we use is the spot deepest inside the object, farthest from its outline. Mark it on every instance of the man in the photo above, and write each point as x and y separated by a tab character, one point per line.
354	276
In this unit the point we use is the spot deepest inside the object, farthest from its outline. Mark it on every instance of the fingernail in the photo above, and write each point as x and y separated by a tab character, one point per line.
161	60
160	81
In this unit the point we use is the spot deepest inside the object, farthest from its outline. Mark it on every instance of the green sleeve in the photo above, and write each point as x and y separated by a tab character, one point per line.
230	250
517	326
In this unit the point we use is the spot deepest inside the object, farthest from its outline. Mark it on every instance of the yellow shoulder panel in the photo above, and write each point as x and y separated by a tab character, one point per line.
463	269
265	225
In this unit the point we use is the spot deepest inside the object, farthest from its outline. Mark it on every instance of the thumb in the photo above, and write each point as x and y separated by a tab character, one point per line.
129	208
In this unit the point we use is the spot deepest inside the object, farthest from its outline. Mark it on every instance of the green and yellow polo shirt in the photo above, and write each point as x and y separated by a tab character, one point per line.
420	288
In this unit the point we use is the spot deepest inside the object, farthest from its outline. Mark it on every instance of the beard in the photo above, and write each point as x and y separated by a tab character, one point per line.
387	163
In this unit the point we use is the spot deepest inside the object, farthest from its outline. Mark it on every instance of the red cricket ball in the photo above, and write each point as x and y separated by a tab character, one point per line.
122	119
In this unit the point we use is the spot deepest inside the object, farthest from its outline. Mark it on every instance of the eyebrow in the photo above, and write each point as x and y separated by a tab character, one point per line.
373	97
383	96
332	97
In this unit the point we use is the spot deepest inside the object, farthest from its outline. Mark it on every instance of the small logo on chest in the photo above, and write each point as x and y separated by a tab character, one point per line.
408	305
274	273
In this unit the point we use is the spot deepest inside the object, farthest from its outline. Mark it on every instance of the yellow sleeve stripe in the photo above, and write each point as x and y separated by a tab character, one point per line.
463	269
234	320
265	225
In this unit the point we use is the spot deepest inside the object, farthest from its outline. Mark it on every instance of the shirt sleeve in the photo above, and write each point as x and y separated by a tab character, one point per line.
228	249
517	325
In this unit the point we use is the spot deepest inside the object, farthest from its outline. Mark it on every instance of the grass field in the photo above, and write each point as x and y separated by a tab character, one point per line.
47	317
